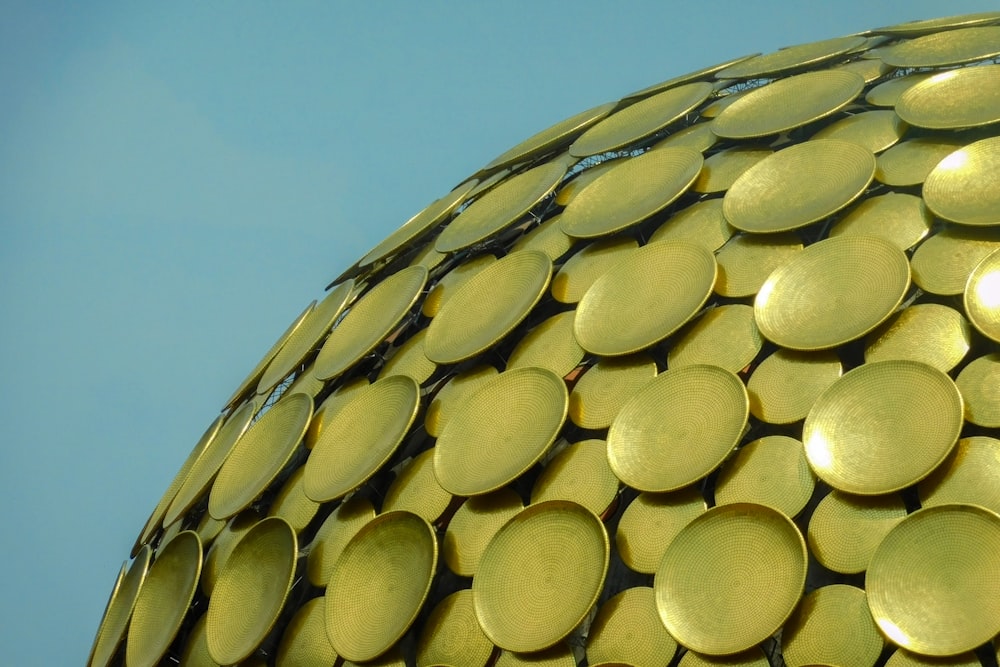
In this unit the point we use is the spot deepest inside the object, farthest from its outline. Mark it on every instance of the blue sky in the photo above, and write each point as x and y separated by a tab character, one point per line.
177	181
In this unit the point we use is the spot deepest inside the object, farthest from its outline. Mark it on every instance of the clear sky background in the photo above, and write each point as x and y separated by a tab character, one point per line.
178	180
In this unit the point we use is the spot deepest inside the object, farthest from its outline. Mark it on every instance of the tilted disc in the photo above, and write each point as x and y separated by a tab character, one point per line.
582	269
909	162
304	641
903	658
253	379
622	620
923	26
785	385
724	336
845	530
473	526
979	383
832	626
338	528
452	394
416	489
958	98
722	169
452	281
936	335
874	130
548	238
698	137
746	261
968	475
292	504
941	49
650	523
452	636
771	471
791	58
549	345
702	223
120	607
605	387
982	297
697	75
409	359
901	219
868	69
754	657
963	187
579	473
887	93
942	264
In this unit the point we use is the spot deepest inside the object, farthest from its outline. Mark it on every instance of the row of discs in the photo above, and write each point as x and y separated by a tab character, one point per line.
708	375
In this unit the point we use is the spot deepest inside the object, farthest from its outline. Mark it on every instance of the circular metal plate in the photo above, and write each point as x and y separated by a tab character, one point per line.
304	641
540	575
119	611
627	629
903	658
547	238
698	137
451	395
450	282
901	219
979	383
579	473
962	187
950	47
416	489
887	93
832	626
845	530
969	475
942	263
409	359
920	27
605	387
340	526
452	636
752	658
253	379
770	471
697	75
582	269
725	336
222	547
791	58
292	504
966	97
474	525
874	130
722	169
982	297
936	335
786	384
746	261
651	522
909	162
702	223
549	345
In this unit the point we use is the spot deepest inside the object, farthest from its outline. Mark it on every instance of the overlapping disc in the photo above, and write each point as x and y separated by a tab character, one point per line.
969	475
845	530
961	187
790	58
409	359
951	47
338	528
785	385
901	219
627	616
722	169
942	263
725	336
982	297
474	525
928	332
292	504
770	471
452	636
550	345
416	489
580	271
953	99
650	523
579	473
119	609
702	223
832	626
304	641
452	394
605	387
979	383
909	162
874	130
887	93
746	261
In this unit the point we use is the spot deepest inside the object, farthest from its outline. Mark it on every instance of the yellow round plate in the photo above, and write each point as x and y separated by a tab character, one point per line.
640	120
887	93
969	475
845	530
473	526
942	264
868	69
627	629
722	169
119	610
452	636
936	335
961	187
731	578
107	608
337	530
698	137
786	384
337	399
624	310
549	345
771	195
548	238
605	387
306	337
832	626
678	428
979	383
560	655
951	47
540	575
651	522
920	27
909	162
391	658
369	320
949	556
954	99
791	58
788	103
251	591
500	431
901	219
723	100
304	641
259	455
452	394
725	336
416	490
164	599
409	359
697	75
576	184
903	658
746	261
752	658
500	207
488	307
579	473
582	269
635	189
834	291
770	471
419	225
292	504
873	130
702	223
982	297
223	545
379	583
429	258
360	437
869	432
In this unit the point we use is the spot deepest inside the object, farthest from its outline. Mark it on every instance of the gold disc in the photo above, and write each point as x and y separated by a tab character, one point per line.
845	530
954	99
961	187
771	195
752	658
901	219
786	384
488	307
678	428
579	473
473	526
560	655
452	394
119	611
624	310
452	636
582	269
746	261
627	629
750	565
292	504
909	162
222	547
340	526
548	238
698	137
982	297
379	583
391	658
337	399
196	650
770	471
304	641
360	437
306	336
942	263
887	93
788	103
369	320
868	69
575	185
869	434
723	101
722	169
107	608
549	345
873	130
605	387
702	223
416	489
540	575
936	335
969	475
791	58
832	626
950	554
409	359
951	47
500	431
923	26
635	189
834	291
725	336
903	658
251	591
428	258
697	75
640	120
259	455
419	225
164	599
979	383
651	522
500	207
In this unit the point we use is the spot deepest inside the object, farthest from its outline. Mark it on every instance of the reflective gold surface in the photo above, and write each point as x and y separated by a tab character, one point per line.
416	489
953	99
747	260
304	641
474	525
650	523
982	297
770	471
580	473
928	332
338	528
968	475
909	162
550	345
979	383
874	130
901	219
845	530
725	336
292	504
627	616
751	658
702	223
583	268
452	636
785	385
832	626
790	58
119	610
605	387
960	188
942	263
451	395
